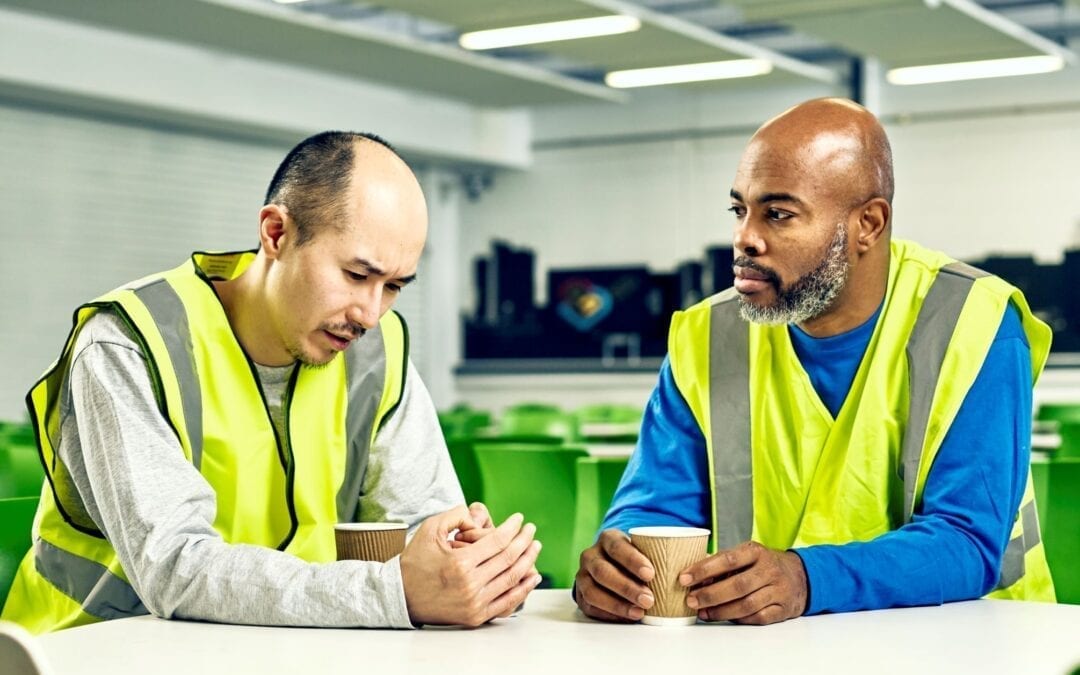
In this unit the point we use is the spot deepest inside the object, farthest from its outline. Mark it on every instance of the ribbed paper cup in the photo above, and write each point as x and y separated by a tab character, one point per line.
670	550
377	542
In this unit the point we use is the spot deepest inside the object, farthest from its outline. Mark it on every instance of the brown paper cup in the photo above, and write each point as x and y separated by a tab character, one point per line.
377	542
670	550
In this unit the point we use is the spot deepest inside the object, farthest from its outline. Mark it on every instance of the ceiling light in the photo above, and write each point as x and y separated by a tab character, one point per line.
691	72
975	70
289	2
549	32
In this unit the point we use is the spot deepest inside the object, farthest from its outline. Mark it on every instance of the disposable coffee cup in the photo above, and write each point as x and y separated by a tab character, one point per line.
376	542
670	550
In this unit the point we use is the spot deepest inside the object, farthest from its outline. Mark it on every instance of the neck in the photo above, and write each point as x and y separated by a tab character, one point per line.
861	297
244	301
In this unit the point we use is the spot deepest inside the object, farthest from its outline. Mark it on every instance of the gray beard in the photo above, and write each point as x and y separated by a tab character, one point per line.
811	295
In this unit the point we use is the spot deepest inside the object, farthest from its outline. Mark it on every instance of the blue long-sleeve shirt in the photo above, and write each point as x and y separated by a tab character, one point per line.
953	546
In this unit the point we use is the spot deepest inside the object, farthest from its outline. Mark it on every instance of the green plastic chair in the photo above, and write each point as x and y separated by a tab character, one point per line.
16	520
21	474
1058	412
1061	525
535	423
463	457
461	421
597	479
540	481
609	423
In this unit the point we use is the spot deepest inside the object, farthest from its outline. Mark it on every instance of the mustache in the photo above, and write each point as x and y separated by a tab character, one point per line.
353	330
770	274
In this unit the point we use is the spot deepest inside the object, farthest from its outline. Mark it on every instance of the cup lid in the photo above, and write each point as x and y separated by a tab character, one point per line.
668	531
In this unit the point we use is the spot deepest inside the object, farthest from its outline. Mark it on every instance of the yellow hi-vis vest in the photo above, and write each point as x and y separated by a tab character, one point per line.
284	493
786	474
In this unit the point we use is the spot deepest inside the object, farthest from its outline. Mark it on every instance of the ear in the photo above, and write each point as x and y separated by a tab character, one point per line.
272	229
874	217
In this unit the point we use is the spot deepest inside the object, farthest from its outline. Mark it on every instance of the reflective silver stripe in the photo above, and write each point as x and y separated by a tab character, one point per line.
365	371
925	355
167	310
729	413
1012	563
100	592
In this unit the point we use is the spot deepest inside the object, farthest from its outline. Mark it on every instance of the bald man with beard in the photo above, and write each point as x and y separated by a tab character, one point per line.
851	420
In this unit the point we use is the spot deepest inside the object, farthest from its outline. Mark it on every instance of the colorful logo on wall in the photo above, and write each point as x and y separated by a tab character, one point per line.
583	304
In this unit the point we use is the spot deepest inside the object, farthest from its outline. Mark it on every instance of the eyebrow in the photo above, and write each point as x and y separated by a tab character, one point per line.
769	197
378	271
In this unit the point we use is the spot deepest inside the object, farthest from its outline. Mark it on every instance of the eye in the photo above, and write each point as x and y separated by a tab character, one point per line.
355	276
778	215
393	288
738	209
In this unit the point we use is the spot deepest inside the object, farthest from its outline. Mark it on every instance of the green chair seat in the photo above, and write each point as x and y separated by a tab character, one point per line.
16	520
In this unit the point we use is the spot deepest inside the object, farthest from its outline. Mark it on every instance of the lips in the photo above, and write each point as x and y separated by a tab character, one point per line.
336	341
749	281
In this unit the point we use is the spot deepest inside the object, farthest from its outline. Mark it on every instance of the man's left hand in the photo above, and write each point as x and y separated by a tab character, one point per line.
747	584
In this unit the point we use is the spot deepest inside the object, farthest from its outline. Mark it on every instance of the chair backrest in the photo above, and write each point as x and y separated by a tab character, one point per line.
20	653
462	421
1061	524
463	457
1058	412
536	423
540	481
21	474
597	479
609	423
16	520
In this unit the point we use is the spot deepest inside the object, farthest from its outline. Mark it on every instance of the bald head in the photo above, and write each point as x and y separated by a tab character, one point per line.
838	142
321	178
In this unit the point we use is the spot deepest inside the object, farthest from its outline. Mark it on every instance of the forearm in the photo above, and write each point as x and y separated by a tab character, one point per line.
924	563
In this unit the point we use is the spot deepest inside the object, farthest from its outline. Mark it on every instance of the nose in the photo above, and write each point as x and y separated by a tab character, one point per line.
366	307
747	239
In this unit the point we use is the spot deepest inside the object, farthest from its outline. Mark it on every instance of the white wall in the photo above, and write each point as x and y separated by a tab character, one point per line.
981	167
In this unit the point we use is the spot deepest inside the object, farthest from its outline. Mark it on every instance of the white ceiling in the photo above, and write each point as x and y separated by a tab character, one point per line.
412	44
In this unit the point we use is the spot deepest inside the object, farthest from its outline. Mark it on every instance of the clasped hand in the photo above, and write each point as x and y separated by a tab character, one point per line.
481	573
746	584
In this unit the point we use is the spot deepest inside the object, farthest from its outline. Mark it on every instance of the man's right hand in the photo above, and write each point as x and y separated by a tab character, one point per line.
473	584
610	584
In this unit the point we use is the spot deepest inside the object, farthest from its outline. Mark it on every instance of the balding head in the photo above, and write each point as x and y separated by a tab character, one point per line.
318	179
838	141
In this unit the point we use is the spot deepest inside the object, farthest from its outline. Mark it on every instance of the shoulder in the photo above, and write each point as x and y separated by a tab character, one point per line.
105	327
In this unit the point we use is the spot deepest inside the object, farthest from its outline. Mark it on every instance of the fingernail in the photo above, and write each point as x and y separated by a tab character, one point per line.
645	600
645	573
686	579
535	581
531	527
538	545
518	517
691	602
636	613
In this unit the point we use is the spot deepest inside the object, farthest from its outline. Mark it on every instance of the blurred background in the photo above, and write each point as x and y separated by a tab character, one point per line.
576	172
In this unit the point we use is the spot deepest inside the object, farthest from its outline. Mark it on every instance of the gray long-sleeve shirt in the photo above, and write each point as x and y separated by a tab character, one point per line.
157	510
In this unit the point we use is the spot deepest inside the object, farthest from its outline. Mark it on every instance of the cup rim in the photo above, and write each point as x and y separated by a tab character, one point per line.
370	527
668	531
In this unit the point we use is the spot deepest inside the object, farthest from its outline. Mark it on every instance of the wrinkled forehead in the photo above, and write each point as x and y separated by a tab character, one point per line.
821	165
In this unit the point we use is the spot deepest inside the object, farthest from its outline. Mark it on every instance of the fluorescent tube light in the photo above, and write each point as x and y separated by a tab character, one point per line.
549	32
975	70
690	72
289	2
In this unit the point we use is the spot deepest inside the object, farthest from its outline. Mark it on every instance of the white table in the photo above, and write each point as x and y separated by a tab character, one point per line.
551	638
